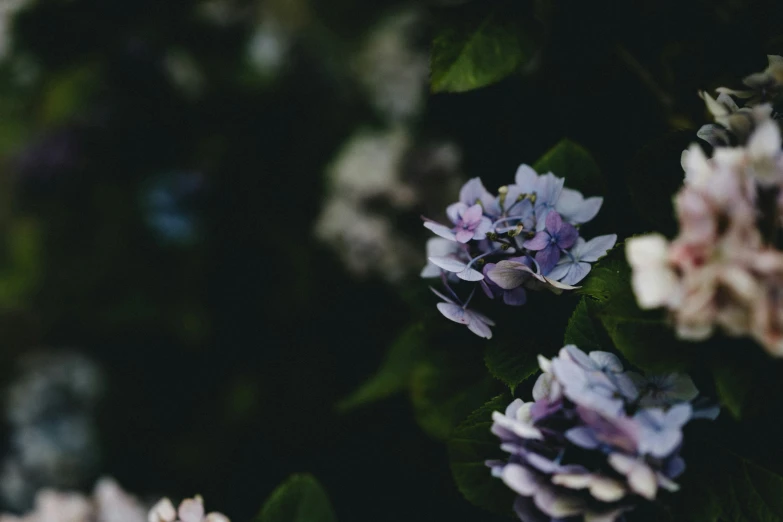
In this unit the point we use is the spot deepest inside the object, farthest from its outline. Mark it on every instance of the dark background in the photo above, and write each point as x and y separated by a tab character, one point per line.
226	353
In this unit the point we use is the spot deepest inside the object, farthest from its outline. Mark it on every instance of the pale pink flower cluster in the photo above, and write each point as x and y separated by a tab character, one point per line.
724	269
110	503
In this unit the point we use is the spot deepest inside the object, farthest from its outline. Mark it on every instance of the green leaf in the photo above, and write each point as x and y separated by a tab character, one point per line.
474	47
471	444
574	163
20	263
720	485
512	362
299	499
394	376
443	391
581	331
643	337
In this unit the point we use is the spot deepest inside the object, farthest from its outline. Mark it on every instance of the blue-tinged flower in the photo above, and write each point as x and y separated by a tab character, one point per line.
575	209
576	453
557	235
473	193
660	432
596	361
477	323
575	264
593	390
469	223
548	190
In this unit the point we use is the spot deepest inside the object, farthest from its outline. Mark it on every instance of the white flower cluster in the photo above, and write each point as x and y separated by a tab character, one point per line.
725	268
109	503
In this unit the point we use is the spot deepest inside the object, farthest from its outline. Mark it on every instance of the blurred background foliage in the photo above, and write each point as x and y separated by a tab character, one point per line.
217	202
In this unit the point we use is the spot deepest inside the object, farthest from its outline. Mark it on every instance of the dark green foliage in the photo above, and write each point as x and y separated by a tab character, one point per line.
572	161
469	446
477	45
394	375
299	499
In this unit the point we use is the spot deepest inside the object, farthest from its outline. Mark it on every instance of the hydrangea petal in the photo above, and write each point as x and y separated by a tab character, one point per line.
441	230
526	179
596	248
509	274
453	312
519	479
449	264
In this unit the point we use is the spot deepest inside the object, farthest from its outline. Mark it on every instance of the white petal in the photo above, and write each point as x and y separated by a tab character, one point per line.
606	489
453	312
163	511
765	141
596	248
449	264
441	230
651	250
469	274
480	328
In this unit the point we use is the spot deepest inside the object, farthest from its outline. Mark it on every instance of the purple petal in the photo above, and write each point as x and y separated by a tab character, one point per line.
472	215
453	312
567	235
463	236
539	242
508	274
595	248
441	230
583	437
554	223
547	258
515	297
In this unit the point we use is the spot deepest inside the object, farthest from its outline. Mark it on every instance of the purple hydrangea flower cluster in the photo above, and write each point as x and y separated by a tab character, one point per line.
596	440
524	238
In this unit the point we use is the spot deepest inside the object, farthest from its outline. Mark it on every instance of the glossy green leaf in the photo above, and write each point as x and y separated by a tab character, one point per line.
643	337
476	47
471	444
299	499
574	163
722	486
512	362
394	375
581	331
